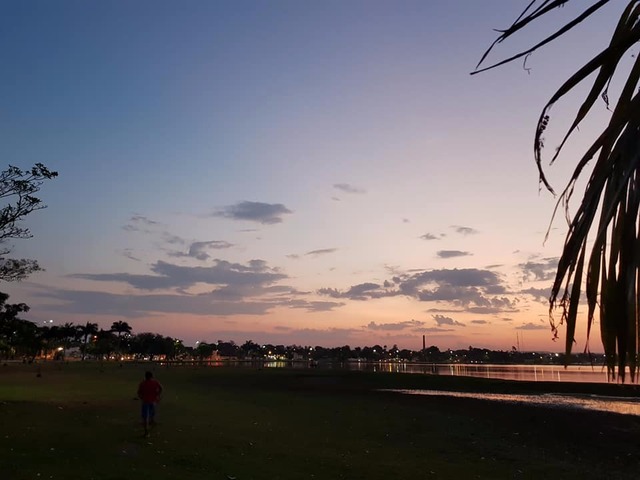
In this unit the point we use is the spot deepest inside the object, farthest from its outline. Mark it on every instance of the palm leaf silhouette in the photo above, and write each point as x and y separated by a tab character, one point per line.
610	267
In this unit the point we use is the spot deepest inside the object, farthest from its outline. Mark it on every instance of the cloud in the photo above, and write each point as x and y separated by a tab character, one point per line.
222	273
406	220
464	230
322	251
172	239
363	291
437	330
293	256
198	250
479	322
140	223
544	269
532	326
314	306
245	297
394	326
493	309
146	226
131	306
347	188
464	277
282	328
540	294
442	320
128	253
429	236
464	288
265	213
452	253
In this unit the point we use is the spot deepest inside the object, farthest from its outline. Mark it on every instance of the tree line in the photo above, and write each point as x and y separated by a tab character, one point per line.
25	340
22	339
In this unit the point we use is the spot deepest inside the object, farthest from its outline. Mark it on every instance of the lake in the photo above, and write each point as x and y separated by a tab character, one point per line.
529	373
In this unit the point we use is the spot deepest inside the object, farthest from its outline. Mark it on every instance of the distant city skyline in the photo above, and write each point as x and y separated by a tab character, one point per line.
315	173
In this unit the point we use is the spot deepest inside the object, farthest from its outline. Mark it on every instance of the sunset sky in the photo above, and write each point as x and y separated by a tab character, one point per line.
291	172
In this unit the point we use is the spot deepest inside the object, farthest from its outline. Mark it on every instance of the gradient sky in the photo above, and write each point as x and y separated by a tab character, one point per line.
291	172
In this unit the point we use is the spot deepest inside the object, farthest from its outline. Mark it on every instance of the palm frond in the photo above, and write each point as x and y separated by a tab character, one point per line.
612	276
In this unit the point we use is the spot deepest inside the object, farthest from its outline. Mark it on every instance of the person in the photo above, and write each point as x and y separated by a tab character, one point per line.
149	392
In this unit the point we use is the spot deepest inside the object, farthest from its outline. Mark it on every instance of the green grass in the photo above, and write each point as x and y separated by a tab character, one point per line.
80	421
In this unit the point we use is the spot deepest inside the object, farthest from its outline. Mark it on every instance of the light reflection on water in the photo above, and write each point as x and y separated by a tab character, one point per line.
629	406
530	373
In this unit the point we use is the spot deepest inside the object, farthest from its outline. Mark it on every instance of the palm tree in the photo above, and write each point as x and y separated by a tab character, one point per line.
68	333
120	327
610	267
86	330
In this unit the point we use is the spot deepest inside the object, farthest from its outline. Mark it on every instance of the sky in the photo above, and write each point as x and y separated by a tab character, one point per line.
291	172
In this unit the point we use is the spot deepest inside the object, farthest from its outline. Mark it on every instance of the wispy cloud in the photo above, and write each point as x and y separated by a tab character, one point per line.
464	230
452	253
394	326
131	306
429	236
322	251
140	223
363	291
348	188
532	326
128	253
167	276
314	306
199	250
437	330
172	239
265	213
442	320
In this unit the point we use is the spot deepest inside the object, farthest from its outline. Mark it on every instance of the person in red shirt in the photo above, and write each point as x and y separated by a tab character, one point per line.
149	392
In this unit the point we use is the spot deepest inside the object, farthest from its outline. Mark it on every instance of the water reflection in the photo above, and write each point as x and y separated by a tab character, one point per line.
600	403
530	373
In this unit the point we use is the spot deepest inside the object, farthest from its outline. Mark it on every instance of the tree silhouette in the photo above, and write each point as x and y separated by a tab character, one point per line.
120	327
18	187
14	332
87	330
607	216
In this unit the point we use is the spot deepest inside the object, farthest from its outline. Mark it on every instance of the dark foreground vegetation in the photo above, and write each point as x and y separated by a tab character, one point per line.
80	421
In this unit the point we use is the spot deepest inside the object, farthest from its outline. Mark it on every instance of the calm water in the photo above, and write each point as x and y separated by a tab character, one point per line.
628	406
535	373
530	373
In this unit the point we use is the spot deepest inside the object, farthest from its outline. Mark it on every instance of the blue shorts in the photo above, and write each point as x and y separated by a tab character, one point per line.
148	411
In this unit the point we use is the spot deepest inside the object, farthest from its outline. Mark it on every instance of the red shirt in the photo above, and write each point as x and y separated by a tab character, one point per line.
149	390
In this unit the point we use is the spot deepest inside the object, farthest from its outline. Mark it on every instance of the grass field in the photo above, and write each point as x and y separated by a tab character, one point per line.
80	421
